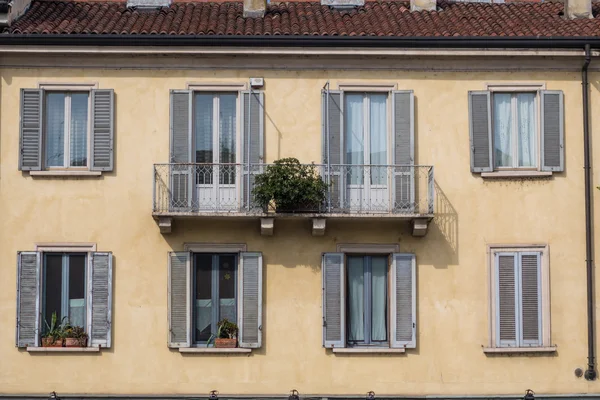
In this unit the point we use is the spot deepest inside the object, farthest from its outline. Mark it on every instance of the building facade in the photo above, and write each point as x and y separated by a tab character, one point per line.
448	258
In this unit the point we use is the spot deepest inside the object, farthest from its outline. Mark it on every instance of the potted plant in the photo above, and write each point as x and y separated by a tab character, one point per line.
53	336
226	337
75	336
292	186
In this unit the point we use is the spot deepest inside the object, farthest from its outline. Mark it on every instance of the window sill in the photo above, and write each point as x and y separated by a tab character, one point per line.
212	350
510	350
516	174
367	350
65	173
63	349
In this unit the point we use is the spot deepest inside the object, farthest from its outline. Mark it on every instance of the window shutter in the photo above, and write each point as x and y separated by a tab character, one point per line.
102	132
30	149
506	309
404	150
250	300
179	299
181	139
553	135
28	298
403	301
531	302
101	300
480	124
253	126
333	300
333	120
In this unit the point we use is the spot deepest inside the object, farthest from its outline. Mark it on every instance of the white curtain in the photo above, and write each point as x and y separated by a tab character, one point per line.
527	131
379	298
502	130
378	139
355	298
55	129
79	124
77	312
354	127
227	106
203	314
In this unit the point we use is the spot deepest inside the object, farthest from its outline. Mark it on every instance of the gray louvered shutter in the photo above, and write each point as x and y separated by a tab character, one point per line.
506	300
404	150
403	324
333	121
531	301
102	132
253	131
250	300
480	129
28	298
101	300
334	332
181	139
553	134
30	137
179	298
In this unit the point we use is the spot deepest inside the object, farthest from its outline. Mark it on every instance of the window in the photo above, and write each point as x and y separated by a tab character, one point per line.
66	128
515	130
520	300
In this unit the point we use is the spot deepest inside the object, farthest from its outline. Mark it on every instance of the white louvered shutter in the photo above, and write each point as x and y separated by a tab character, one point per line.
480	129
100	299
102	130
334	332
179	298
553	136
333	122
404	152
253	126
250	300
30	137
531	301
181	139
506	300
28	298
403	323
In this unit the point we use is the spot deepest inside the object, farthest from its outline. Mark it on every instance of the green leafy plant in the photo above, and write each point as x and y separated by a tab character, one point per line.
75	332
291	185
54	329
225	330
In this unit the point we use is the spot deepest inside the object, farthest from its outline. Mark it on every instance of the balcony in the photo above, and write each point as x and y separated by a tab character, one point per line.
353	191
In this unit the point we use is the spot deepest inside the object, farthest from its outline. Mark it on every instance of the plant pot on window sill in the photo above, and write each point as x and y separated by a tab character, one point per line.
51	342
75	342
225	343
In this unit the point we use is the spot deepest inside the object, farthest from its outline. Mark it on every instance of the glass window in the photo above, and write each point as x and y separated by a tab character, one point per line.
214	293
515	132
65	287
66	129
367	299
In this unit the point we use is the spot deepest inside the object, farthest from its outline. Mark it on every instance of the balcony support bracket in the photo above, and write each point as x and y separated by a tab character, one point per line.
318	226
165	223
420	226
266	226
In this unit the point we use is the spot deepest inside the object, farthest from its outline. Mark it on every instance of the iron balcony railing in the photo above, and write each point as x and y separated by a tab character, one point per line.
351	189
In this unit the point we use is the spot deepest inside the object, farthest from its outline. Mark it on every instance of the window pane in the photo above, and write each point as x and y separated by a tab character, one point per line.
79	125
77	290
378	298
227	270
227	130
356	299
203	126
527	132
203	302
55	129
378	139
52	287
502	130
354	128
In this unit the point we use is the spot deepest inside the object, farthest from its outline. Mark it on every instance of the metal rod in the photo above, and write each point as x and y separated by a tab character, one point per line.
248	134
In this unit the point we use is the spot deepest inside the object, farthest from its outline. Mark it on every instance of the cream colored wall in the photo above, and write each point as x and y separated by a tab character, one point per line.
114	211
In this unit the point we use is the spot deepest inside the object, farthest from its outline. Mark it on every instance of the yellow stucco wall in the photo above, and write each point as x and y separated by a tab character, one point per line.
114	211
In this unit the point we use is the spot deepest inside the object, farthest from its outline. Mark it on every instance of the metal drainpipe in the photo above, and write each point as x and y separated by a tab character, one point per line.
590	373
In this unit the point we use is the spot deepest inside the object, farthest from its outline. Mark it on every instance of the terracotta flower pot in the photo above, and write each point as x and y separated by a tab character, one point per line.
75	342
50	342
221	343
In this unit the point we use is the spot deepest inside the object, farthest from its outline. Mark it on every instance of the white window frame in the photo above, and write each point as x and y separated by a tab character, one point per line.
544	286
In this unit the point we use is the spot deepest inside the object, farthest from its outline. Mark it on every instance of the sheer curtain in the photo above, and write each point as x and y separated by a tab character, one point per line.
502	130
55	130
203	124
79	128
378	139
379	298
227	106
354	127
527	131
355	298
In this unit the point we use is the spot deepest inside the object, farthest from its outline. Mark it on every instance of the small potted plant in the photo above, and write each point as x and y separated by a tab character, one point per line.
53	336
75	336
226	337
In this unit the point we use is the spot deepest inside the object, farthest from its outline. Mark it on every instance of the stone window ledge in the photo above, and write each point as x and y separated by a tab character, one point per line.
63	349
515	174
213	350
354	350
512	350
65	173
